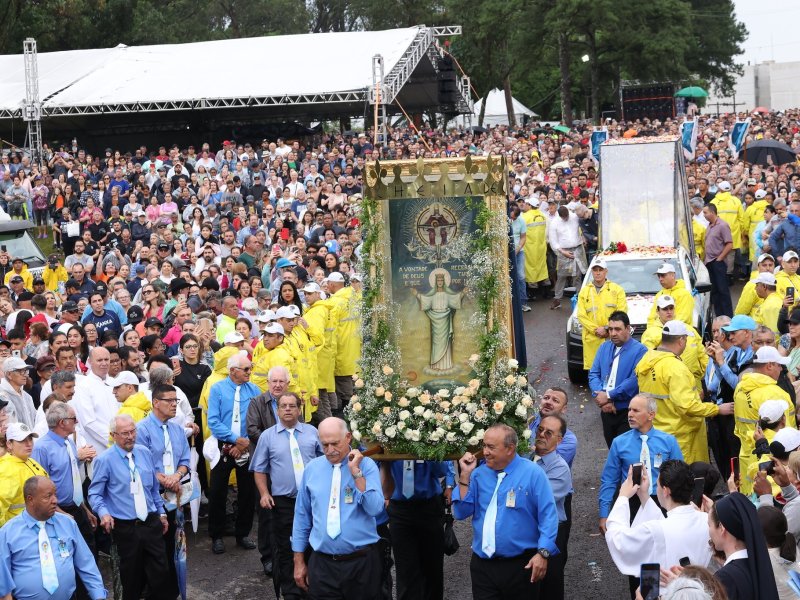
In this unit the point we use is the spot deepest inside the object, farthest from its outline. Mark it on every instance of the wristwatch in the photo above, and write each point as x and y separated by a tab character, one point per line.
543	553
358	474
162	516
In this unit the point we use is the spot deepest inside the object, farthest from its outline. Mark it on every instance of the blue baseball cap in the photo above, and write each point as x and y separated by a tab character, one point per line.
740	322
284	263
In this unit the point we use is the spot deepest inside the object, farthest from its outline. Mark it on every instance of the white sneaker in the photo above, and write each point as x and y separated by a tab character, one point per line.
526	308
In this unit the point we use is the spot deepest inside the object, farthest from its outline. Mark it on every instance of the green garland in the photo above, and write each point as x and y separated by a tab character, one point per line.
433	425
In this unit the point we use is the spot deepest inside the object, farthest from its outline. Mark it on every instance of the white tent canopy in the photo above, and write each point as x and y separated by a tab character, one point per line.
496	111
151	78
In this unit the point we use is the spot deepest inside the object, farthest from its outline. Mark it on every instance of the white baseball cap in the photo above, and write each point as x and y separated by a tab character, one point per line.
126	377
766	279
769	354
665	301
336	276
312	288
274	328
676	328
772	410
725	186
761	194
284	312
763	257
599	262
266	317
665	268
789	254
295	309
788	437
15	364
19	432
234	337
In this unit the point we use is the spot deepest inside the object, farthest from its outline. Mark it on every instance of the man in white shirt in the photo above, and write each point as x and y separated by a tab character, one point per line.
652	538
94	400
564	235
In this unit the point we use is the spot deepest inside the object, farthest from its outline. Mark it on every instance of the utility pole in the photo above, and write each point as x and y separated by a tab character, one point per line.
32	108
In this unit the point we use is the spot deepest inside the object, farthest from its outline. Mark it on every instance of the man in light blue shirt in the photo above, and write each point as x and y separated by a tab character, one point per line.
21	555
124	494
416	522
514	518
627	449
554	400
337	503
228	402
278	464
59	456
550	432
170	450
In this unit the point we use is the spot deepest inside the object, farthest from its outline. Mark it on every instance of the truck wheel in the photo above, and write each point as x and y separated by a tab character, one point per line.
577	374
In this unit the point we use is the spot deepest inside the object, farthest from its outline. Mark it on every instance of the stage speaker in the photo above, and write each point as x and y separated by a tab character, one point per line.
448	82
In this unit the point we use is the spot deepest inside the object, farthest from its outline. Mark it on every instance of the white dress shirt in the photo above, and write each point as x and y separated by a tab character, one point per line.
564	234
95	405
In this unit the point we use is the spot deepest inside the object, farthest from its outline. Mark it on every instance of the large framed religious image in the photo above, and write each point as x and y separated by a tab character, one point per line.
437	302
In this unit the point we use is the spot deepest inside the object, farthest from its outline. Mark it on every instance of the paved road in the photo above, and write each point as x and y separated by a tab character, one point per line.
590	573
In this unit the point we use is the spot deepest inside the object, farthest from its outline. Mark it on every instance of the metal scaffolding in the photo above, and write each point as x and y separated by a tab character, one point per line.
32	108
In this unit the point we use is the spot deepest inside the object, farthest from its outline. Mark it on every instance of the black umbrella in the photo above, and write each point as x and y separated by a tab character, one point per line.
478	129
766	152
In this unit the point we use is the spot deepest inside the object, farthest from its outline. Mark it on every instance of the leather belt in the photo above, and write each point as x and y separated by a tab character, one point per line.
345	557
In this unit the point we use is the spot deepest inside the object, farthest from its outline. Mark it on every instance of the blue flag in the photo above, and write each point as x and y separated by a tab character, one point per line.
595	141
689	138
738	135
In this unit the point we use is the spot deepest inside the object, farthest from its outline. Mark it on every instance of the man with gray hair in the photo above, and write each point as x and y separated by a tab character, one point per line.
12	390
125	495
228	403
642	444
59	455
261	415
63	384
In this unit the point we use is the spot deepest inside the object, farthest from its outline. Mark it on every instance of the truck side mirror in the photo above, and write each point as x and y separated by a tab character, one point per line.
703	287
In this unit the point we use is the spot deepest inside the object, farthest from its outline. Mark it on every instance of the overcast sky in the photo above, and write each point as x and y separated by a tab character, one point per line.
773	27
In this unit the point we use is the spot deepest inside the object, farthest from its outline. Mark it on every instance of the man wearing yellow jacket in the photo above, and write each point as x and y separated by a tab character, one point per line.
20	268
751	217
318	317
597	300
694	355
15	468
672	286
787	277
772	301
729	209
680	412
272	352
755	388
302	350
749	300
54	273
347	316
535	243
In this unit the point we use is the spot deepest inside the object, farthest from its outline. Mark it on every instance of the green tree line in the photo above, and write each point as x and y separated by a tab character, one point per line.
560	57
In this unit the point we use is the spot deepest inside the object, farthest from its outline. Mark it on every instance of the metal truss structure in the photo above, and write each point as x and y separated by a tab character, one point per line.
32	108
424	48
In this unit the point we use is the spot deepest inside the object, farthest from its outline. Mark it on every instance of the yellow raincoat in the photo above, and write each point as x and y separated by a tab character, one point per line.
137	406
753	390
694	356
749	301
302	348
27	277
699	234
684	303
13	475
52	277
346	314
535	246
318	318
784	280
680	411
767	312
264	360
751	217
593	309
729	209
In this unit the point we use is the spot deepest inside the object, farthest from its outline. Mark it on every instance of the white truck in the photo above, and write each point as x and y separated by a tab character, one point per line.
644	204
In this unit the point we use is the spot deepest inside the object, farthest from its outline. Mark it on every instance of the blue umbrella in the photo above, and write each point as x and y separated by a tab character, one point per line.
180	551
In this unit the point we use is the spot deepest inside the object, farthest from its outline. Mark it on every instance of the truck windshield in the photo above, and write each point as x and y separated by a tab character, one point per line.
19	243
635	276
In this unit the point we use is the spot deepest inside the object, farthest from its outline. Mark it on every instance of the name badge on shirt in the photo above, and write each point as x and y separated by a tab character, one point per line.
62	549
657	461
511	499
136	487
348	495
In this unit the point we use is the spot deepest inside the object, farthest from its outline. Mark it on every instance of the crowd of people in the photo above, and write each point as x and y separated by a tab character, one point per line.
211	296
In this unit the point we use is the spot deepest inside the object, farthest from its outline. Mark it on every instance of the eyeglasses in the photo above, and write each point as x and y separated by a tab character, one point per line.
70	419
243	369
125	434
169	400
191	347
548	433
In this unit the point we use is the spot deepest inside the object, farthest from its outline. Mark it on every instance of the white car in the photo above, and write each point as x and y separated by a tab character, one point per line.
635	272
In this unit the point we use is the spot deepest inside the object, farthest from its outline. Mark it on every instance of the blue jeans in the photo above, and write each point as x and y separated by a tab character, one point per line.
522	290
